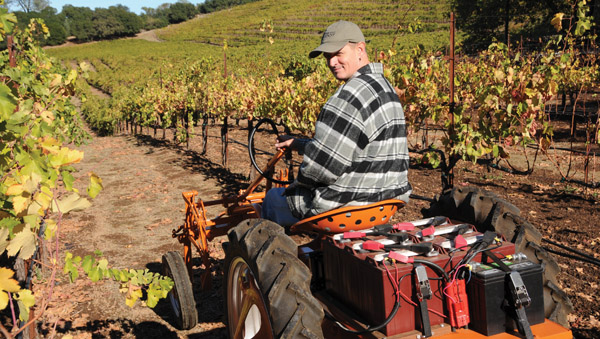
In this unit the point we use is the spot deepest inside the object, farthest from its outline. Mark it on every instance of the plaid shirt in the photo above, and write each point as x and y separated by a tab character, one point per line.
359	153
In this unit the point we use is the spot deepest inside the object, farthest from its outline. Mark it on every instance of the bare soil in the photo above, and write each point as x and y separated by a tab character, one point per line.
143	176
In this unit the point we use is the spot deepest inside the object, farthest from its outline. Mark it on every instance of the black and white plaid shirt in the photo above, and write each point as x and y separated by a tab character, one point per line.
359	153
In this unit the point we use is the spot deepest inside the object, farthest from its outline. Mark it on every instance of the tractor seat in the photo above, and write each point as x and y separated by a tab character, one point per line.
350	218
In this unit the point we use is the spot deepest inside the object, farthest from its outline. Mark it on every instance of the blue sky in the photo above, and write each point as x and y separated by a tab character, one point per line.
133	5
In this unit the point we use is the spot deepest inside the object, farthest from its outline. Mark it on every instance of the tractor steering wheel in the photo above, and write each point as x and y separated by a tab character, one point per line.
287	159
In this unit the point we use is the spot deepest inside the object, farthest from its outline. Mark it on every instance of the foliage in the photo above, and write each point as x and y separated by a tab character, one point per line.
134	283
37	121
210	6
54	22
486	21
78	22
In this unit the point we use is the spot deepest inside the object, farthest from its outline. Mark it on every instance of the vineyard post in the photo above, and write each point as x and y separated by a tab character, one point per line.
506	21
224	138
452	103
11	51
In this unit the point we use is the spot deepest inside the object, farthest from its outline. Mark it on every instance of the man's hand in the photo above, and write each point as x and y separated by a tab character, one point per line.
285	141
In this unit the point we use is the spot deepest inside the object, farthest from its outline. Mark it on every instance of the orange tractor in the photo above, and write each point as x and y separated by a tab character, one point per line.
472	268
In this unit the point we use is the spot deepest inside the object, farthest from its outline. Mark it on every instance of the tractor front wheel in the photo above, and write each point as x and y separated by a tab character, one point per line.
181	297
267	288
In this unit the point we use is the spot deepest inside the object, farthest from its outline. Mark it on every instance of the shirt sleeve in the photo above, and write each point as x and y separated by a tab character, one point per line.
338	132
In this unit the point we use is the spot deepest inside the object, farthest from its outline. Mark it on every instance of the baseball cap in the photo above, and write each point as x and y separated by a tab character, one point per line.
336	36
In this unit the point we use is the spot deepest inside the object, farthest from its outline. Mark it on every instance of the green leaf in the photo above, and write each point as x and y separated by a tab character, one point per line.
87	264
26	300
95	274
67	179
8	21
153	298
495	151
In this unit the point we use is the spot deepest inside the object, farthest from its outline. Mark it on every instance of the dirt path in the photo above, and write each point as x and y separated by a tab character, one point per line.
130	222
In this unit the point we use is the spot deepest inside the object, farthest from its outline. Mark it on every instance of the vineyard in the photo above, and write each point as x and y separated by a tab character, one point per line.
523	123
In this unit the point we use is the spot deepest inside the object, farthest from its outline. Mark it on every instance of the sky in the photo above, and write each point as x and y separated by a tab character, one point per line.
134	6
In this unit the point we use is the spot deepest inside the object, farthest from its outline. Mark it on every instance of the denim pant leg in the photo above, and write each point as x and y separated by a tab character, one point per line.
275	208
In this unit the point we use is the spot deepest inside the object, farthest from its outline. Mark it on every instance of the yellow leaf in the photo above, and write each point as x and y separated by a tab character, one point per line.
499	75
6	282
557	21
50	144
26	301
56	81
47	116
95	185
20	203
4	232
3	300
73	202
16	189
66	156
50	229
23	243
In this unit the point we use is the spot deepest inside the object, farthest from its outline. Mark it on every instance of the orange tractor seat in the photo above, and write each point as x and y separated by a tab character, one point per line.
350	218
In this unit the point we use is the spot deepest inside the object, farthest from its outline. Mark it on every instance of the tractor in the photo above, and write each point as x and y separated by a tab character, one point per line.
471	268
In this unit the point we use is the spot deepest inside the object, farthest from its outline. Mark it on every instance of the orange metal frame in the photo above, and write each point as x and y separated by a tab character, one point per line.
198	229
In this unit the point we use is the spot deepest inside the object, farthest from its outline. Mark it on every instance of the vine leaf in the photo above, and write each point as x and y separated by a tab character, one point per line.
23	243
7	284
73	202
557	21
4	232
7	102
95	185
26	300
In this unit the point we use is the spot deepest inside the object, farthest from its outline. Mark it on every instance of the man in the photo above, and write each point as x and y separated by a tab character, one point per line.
358	154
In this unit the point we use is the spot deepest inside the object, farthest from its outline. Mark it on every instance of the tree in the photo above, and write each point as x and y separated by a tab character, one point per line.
78	22
181	11
486	20
28	5
129	22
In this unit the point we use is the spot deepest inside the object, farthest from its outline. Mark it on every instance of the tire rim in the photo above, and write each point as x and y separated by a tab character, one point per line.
246	309
174	297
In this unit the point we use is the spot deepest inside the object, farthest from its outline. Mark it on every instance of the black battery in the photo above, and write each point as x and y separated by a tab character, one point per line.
487	293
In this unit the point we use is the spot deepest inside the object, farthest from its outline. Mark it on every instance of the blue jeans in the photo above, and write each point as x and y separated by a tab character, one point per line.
275	208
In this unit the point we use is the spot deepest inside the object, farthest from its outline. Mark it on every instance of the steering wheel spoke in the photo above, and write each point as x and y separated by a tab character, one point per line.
271	170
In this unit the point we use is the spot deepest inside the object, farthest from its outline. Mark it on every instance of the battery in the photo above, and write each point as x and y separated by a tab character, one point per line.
360	280
486	293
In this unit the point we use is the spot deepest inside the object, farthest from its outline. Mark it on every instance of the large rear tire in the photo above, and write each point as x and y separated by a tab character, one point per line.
267	288
487	211
181	297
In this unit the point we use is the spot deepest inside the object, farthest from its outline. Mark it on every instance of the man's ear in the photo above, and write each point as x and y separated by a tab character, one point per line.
361	46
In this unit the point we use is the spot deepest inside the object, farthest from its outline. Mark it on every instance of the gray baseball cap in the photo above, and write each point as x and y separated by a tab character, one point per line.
336	36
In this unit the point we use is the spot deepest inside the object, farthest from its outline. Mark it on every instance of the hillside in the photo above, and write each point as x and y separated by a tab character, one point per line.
296	28
305	20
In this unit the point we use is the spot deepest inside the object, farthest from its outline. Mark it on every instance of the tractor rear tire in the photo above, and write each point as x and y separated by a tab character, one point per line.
267	288
488	212
181	297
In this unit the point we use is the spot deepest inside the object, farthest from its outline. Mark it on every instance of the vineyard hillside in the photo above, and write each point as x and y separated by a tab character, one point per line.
294	28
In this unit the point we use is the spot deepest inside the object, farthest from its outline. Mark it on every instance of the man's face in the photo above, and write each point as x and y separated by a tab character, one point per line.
345	62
